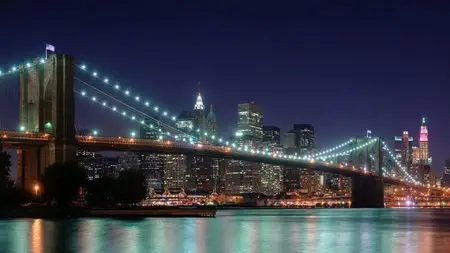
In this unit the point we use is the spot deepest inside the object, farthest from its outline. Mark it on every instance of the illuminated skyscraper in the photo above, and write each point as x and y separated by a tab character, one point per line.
250	124
199	113
424	155
403	149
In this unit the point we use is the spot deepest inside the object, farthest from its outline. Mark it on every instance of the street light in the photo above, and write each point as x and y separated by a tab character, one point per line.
36	189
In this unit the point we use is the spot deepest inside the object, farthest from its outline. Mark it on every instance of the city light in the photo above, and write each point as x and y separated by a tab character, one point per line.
133	134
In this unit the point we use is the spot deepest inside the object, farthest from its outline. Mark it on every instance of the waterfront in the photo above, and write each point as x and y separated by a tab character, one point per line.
244	230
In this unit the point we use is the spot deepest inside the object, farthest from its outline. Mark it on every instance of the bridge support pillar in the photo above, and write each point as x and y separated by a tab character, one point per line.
367	192
31	164
47	106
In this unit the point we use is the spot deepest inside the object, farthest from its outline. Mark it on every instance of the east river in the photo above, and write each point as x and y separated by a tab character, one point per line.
246	230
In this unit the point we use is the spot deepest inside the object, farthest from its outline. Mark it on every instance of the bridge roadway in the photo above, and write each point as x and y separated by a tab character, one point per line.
13	139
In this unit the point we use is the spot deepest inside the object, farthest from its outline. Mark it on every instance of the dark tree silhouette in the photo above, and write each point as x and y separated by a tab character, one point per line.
101	192
131	186
5	165
62	182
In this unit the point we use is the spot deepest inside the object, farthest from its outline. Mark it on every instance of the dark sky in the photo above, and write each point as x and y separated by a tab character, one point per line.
342	67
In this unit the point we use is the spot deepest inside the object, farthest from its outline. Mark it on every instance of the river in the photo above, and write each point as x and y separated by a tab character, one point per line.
246	230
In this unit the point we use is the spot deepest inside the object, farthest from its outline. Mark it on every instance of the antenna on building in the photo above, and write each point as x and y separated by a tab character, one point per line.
369	133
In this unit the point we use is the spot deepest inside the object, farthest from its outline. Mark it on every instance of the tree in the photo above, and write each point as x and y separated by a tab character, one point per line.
5	165
62	182
102	191
131	186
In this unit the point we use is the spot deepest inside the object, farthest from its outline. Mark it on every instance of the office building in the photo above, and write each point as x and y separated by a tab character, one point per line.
250	125
305	139
403	149
212	126
445	182
424	154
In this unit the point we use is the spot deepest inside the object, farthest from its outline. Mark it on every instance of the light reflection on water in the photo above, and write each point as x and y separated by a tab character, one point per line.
252	230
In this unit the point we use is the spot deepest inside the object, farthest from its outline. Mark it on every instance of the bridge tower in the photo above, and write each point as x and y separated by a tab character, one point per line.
46	106
368	190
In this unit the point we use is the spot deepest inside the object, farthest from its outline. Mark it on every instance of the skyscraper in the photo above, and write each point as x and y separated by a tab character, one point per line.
403	149
211	122
289	145
199	113
305	138
152	164
271	136
424	155
250	125
271	175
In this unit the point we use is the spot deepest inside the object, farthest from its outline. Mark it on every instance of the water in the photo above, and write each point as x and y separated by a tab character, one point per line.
270	230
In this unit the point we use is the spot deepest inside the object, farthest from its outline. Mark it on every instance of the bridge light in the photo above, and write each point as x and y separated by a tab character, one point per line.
14	68
133	134
95	132
83	67
220	139
127	92
22	128
106	80
42	60
142	122
137	98
104	103
174	118
94	98
94	74
83	93
124	113
156	108
147	103
165	113
116	86
28	64
114	108
133	118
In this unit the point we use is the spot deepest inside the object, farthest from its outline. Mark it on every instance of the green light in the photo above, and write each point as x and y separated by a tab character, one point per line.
22	128
48	125
133	134
95	132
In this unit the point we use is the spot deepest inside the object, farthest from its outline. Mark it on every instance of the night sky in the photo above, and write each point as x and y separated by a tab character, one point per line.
344	68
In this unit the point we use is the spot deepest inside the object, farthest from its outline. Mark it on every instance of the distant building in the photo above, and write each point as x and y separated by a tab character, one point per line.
445	182
174	171
152	164
98	166
185	121
212	126
403	149
128	160
305	138
199	114
271	175
424	153
250	125
289	143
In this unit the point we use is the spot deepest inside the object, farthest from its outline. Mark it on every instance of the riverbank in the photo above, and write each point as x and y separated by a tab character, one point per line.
125	213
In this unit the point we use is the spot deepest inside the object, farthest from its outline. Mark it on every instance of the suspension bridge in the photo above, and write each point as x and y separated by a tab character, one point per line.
47	134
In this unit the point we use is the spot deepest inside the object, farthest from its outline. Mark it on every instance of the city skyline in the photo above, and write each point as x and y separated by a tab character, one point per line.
331	91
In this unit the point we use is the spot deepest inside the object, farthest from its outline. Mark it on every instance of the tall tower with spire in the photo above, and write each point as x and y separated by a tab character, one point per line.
199	113
424	154
211	122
